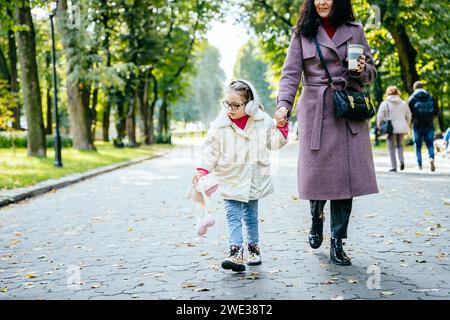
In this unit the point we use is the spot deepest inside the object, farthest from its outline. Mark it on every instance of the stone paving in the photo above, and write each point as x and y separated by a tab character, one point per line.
129	234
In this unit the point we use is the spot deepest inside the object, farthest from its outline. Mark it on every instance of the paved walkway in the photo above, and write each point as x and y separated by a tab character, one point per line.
130	234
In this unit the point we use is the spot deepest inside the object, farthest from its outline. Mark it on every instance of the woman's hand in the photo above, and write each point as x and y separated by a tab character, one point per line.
361	64
281	116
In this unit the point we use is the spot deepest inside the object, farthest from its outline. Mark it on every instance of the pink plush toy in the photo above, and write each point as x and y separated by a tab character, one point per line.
200	192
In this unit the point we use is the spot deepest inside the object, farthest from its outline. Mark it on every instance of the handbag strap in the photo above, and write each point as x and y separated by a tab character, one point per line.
322	60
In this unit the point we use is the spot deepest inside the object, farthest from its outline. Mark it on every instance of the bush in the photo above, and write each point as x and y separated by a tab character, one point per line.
163	139
19	140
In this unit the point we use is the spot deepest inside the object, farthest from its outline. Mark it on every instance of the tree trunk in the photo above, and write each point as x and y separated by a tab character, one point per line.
36	144
121	119
105	120
48	129
441	121
76	92
151	111
131	120
163	119
94	109
143	108
12	52
406	53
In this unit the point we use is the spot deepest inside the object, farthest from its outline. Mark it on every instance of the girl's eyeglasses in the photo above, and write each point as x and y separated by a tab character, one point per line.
233	106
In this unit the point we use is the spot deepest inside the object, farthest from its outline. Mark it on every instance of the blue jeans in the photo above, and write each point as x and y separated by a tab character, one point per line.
421	134
236	211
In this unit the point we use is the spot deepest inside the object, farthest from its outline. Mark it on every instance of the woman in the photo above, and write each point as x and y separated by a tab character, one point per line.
396	110
335	157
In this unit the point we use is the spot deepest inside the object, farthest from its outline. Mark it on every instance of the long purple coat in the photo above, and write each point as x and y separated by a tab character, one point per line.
335	156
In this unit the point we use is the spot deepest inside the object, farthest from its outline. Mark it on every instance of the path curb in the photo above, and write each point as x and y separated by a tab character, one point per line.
8	197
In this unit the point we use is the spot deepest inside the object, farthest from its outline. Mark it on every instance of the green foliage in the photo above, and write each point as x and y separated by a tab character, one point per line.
251	66
202	99
7	102
19	140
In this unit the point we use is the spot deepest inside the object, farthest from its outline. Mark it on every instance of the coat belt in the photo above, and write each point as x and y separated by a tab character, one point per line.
318	108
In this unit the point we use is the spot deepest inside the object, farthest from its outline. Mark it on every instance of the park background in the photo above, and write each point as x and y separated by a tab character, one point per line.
133	75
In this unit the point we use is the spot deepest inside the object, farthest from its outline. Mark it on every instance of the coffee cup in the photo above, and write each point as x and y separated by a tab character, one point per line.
354	51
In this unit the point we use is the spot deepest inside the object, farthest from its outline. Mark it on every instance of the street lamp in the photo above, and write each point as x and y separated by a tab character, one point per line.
52	8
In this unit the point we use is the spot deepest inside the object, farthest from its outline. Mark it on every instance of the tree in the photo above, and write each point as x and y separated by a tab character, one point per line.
202	99
75	41
36	143
249	65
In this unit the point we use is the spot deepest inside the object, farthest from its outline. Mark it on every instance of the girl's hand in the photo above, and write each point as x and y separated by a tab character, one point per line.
196	177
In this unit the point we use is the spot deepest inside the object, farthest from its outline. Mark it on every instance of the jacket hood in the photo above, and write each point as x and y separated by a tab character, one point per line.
394	99
421	94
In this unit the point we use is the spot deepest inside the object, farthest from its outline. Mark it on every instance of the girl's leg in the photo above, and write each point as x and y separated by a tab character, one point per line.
234	217
250	215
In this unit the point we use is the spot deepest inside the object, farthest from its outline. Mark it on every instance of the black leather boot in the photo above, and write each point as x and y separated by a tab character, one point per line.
315	237
337	253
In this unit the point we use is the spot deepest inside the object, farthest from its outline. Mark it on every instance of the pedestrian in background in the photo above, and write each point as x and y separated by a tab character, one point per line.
396	110
423	108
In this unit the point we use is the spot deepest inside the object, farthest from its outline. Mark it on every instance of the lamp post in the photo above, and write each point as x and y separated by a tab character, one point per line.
53	6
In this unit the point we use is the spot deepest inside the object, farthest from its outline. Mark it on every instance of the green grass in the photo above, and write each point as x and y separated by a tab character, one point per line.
19	170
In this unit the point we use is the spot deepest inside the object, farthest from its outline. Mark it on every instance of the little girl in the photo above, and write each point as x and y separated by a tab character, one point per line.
236	149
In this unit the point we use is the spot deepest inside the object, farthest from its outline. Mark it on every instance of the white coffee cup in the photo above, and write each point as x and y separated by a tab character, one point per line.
354	51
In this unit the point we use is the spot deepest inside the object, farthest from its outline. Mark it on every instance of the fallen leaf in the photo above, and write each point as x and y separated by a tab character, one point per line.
338	298
275	271
442	255
141	284
418	233
328	282
421	261
253	276
353	281
376	235
204	254
3	290
201	289
387	293
289	285
407	241
214	267
94	286
188	285
130	229
31	276
19	234
403	265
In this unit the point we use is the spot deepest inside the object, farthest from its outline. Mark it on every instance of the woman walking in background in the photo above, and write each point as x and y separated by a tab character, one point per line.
396	110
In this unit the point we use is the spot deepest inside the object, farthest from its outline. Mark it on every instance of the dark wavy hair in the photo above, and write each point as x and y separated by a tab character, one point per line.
309	20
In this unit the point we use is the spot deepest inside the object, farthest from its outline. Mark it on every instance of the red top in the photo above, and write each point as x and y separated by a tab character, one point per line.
326	23
241	122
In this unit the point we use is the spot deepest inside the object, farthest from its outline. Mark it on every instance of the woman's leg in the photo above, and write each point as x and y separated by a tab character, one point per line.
400	138
391	141
340	216
316	233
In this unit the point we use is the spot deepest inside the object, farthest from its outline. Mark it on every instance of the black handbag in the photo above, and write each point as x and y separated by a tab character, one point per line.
386	126
350	104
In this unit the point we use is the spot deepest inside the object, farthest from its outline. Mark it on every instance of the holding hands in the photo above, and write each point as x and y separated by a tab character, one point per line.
281	116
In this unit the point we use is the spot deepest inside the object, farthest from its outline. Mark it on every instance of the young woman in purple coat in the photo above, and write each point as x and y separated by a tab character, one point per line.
335	159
